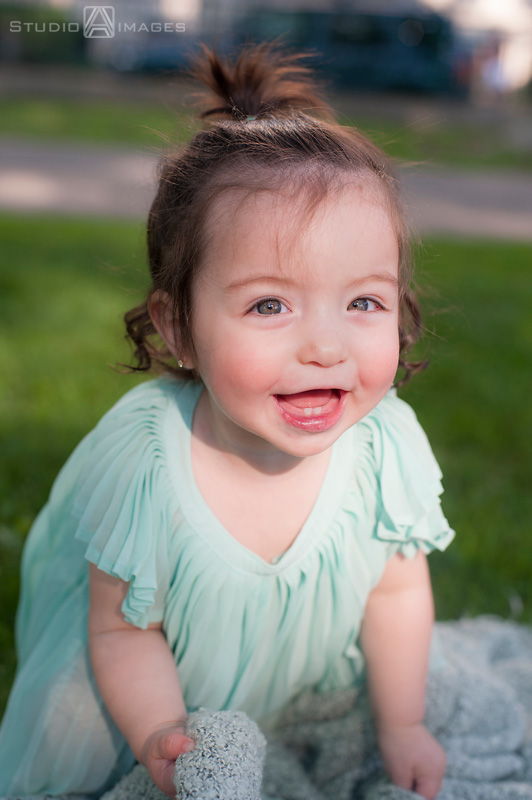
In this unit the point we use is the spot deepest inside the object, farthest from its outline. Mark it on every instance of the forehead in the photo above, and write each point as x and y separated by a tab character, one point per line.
287	229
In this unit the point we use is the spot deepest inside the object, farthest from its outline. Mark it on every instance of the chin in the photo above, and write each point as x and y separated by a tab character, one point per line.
311	443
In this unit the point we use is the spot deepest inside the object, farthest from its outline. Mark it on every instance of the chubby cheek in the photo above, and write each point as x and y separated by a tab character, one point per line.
379	362
384	372
239	367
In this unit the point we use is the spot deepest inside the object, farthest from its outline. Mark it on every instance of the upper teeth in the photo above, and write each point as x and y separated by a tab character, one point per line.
309	412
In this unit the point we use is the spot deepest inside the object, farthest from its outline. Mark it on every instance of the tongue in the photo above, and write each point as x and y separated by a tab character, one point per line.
310	399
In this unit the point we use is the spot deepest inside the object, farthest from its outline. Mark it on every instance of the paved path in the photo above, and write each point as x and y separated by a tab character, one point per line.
112	182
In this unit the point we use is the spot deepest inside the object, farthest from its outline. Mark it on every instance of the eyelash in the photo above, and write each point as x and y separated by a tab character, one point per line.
367	300
272	300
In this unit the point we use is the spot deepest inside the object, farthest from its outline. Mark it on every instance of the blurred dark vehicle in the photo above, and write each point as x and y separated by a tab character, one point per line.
416	51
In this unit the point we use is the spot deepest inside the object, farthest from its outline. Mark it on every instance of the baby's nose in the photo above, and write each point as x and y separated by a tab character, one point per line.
323	344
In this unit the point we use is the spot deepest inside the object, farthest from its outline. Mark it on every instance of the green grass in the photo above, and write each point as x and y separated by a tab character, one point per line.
64	286
473	145
63	289
479	145
474	403
100	122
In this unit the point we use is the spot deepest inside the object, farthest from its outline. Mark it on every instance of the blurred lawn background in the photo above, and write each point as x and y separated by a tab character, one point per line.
65	284
471	141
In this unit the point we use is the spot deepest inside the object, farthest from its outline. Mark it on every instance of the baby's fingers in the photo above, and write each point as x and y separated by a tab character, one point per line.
402	777
430	773
173	744
163	777
428	786
165	748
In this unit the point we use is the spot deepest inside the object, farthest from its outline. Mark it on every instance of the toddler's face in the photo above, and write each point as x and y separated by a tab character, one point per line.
296	318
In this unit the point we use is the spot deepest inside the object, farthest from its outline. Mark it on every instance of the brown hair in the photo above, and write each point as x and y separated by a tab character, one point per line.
272	129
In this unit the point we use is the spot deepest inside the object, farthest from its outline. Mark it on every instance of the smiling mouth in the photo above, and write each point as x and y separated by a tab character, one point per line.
315	409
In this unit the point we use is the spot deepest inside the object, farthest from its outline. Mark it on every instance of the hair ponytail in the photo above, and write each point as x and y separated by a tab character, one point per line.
262	81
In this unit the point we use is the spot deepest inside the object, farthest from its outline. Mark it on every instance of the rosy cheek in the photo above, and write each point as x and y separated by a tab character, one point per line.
249	372
381	360
246	367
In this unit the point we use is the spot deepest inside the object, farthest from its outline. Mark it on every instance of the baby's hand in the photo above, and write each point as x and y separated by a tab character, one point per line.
413	758
160	752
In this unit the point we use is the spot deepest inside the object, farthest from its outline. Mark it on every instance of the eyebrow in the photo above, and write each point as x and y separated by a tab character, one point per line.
261	279
380	277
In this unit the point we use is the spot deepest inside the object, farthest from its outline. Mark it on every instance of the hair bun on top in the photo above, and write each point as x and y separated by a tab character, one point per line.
263	80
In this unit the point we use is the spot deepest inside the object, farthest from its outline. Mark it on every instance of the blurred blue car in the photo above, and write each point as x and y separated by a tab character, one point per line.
416	51
374	51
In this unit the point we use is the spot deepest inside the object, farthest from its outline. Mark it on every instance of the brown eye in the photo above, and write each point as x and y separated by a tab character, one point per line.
269	306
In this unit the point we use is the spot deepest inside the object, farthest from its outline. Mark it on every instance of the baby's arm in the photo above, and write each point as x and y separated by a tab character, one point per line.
137	678
396	634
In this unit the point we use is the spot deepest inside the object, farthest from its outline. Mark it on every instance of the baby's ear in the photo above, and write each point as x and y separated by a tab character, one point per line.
162	313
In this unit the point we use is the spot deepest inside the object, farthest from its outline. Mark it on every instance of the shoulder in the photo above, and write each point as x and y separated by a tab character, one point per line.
129	440
124	503
402	416
139	416
396	437
400	479
113	502
129	419
148	400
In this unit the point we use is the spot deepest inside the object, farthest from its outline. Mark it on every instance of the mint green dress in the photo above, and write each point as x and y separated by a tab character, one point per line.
246	634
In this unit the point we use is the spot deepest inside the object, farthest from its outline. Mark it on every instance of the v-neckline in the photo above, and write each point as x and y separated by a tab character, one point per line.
178	443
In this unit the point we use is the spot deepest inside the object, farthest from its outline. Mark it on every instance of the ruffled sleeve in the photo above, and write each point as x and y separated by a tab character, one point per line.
124	501
408	512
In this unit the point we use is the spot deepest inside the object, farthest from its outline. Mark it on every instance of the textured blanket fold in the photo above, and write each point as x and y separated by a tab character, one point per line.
479	706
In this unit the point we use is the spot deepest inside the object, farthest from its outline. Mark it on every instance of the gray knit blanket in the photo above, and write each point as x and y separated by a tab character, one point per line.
479	706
